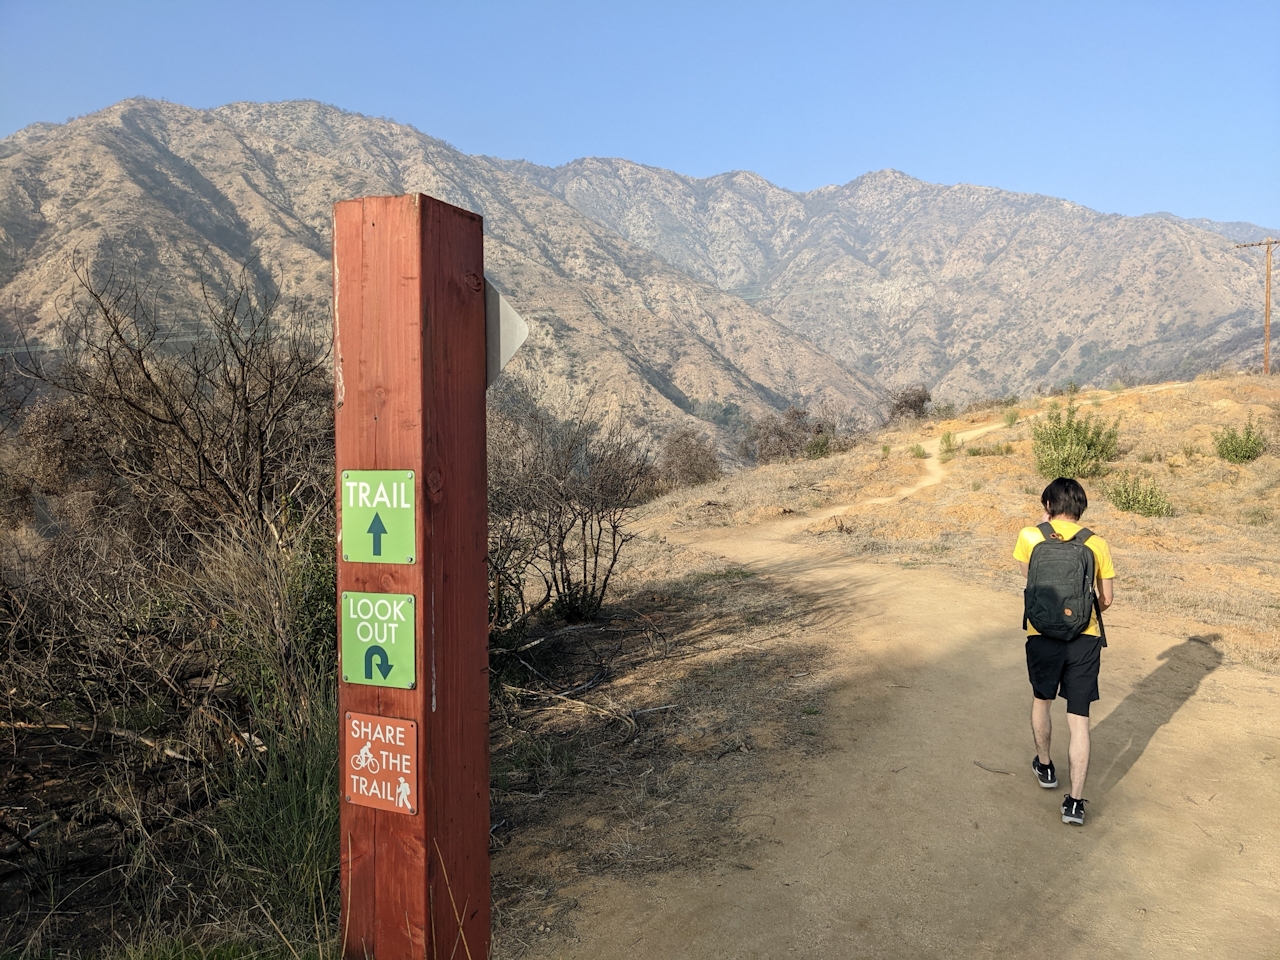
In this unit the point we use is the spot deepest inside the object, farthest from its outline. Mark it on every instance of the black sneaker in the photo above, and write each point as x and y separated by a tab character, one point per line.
1073	810
1044	773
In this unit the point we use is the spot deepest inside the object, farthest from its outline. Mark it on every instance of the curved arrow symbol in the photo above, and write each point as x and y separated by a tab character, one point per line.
384	665
377	529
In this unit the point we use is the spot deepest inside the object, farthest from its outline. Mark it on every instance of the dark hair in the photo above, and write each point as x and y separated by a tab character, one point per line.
1065	498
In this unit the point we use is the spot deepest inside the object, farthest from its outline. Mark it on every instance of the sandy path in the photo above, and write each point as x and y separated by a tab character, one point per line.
922	832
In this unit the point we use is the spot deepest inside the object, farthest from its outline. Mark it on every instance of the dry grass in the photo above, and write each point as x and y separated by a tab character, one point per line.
1214	563
766	493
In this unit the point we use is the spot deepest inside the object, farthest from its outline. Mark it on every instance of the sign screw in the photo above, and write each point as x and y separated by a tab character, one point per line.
345	557
345	475
408	559
412	685
344	676
348	798
410	474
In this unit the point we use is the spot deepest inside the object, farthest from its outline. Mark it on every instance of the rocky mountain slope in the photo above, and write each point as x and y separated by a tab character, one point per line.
1238	231
664	294
171	192
971	289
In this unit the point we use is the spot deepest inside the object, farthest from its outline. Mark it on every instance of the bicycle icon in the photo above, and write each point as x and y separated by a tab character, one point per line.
365	760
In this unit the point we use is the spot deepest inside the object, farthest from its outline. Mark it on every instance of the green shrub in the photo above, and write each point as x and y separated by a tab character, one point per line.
1010	416
990	450
884	451
1134	493
918	451
948	443
1067	445
818	448
1240	447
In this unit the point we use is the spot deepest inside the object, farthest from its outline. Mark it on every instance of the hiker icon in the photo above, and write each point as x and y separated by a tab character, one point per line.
402	794
365	760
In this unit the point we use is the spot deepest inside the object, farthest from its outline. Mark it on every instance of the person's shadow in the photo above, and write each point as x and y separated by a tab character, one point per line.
1122	736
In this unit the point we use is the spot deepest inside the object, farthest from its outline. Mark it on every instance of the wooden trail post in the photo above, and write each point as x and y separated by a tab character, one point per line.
410	372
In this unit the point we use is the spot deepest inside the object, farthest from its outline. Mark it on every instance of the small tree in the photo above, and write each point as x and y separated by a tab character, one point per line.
233	423
909	403
687	458
562	495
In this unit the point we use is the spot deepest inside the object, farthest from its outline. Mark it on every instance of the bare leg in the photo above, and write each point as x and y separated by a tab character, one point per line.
1042	728
1078	753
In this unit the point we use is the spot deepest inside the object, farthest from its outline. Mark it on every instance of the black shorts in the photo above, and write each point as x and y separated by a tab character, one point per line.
1070	667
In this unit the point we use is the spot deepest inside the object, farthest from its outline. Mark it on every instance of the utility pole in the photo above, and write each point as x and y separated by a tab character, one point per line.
1270	244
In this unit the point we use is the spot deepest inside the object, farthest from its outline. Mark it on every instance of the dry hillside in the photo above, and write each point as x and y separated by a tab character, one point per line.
1210	568
667	294
165	189
974	290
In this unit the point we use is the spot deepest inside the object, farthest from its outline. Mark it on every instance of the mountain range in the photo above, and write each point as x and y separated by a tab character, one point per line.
657	294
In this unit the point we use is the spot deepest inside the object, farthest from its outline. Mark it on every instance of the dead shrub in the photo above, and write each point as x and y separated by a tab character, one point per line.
166	597
688	458
562	496
800	433
909	403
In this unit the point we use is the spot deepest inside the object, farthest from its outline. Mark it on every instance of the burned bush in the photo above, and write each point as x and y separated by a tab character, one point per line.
562	492
909	403
800	433
687	458
167	588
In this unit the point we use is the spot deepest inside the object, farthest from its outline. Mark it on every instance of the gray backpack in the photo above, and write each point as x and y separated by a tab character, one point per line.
1060	597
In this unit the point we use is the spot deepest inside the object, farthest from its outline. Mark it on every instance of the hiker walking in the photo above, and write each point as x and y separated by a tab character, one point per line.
1069	584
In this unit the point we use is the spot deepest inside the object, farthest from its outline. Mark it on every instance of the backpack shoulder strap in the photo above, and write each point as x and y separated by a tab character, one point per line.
1083	535
1046	529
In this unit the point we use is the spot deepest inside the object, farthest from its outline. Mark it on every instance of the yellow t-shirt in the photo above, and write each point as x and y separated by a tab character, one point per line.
1030	536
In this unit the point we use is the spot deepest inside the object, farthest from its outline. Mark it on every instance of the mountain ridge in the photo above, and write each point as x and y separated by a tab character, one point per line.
673	292
171	184
900	264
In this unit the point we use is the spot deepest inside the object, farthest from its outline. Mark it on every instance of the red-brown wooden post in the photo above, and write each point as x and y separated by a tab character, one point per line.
409	358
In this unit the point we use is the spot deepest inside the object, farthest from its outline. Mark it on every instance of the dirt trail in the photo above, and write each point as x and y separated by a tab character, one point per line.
921	832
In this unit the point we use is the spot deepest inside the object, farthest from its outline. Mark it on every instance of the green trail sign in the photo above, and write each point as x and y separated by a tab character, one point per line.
378	516
378	639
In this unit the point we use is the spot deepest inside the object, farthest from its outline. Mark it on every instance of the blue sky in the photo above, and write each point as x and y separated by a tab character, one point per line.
1124	107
